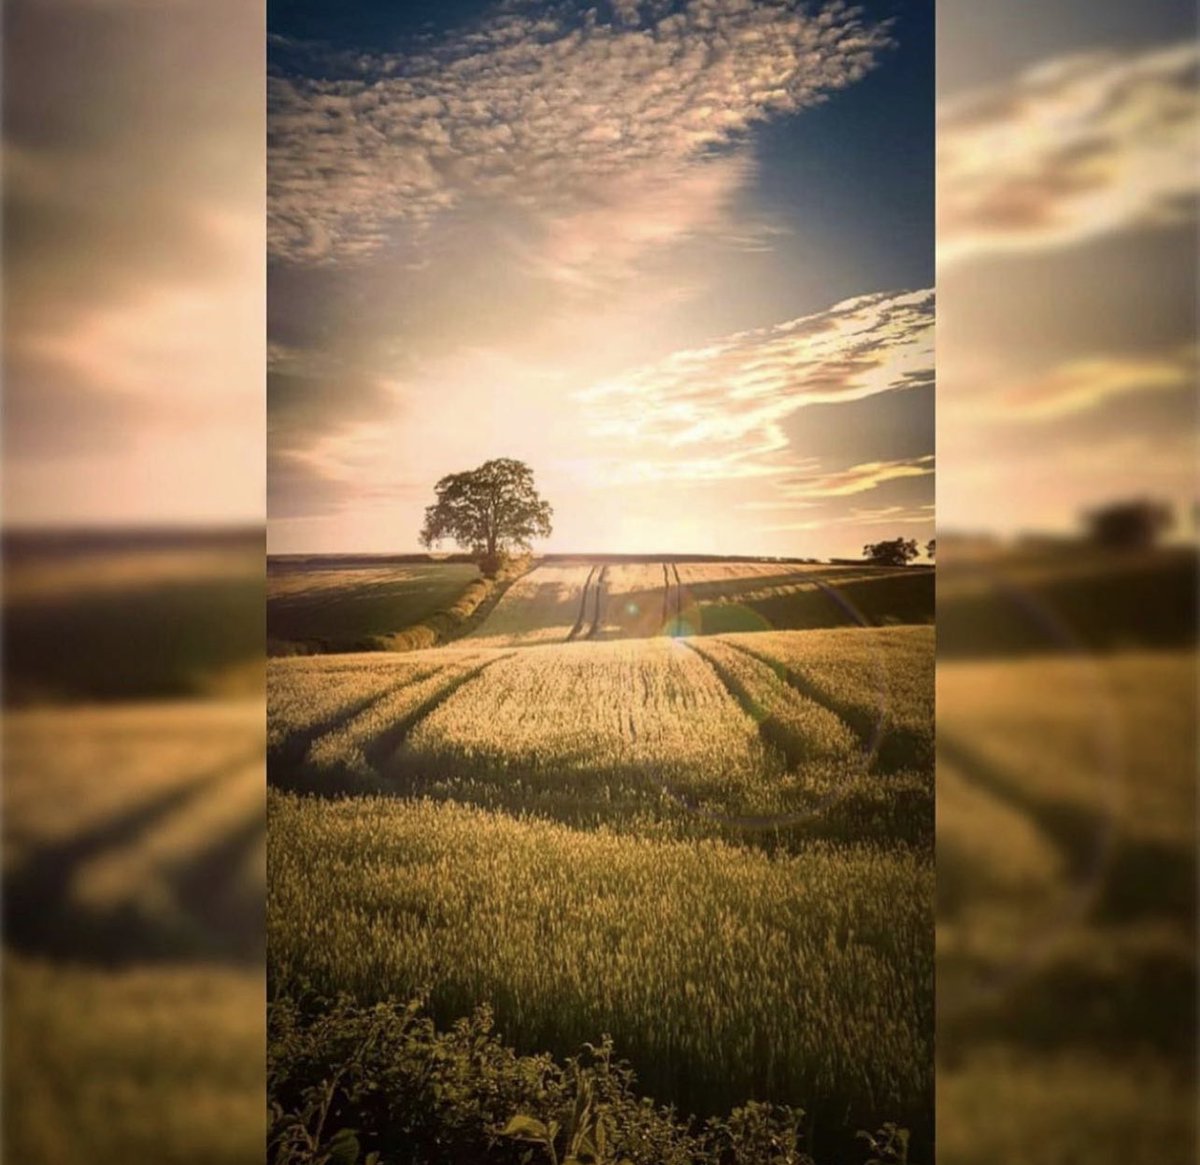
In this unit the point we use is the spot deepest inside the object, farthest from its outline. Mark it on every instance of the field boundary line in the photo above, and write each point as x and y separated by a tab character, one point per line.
482	612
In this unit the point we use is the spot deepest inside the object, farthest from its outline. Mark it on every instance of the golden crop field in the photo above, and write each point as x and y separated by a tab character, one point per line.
678	842
638	600
597	723
1067	961
305	693
715	849
542	606
598	731
360	746
879	680
721	971
134	853
717	579
136	826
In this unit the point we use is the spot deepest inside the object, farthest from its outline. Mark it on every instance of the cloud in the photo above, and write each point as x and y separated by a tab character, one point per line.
559	115
799	489
718	411
877	516
1076	147
1085	384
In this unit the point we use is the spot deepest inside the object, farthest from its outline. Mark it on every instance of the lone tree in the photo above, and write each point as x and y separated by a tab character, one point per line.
489	511
1132	525
896	552
931	548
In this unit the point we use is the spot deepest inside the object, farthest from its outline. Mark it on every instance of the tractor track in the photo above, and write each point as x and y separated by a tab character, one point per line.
284	758
41	916
383	748
598	590
583	598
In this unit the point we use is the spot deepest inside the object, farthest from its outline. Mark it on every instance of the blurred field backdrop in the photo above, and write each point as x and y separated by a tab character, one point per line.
1067	436
1066	850
133	847
685	804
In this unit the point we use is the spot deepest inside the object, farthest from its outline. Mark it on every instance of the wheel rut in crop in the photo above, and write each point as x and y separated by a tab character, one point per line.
583	602
42	917
893	748
284	759
598	597
213	894
381	751
1076	832
672	600
1119	876
776	738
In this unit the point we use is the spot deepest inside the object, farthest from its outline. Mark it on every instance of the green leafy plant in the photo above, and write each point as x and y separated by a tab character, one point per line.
587	1136
888	1144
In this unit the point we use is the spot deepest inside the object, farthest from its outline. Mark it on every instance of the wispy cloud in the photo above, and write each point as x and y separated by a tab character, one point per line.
799	490
1085	384
719	410
1074	148
585	124
877	516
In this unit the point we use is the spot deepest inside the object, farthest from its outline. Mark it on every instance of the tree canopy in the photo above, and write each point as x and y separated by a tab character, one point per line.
894	552
489	511
1135	524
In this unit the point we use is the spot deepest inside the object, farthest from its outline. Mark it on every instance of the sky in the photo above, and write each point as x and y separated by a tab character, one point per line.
553	276
134	263
1067	262
676	256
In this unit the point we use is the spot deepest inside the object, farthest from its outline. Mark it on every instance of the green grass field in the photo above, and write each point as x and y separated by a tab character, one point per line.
341	607
723	597
132	617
